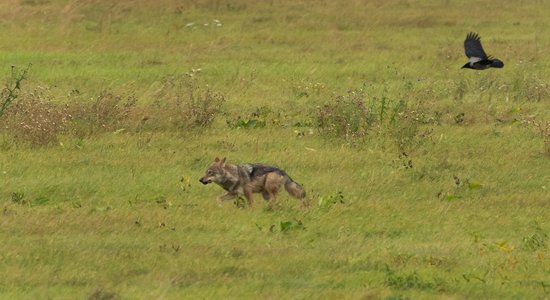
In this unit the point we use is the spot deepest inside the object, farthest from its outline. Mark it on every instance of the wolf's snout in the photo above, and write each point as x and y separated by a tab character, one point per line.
204	181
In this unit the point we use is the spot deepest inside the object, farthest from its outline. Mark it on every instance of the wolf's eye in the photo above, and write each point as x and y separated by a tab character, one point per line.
209	172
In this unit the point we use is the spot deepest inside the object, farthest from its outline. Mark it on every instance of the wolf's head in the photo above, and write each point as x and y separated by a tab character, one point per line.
215	172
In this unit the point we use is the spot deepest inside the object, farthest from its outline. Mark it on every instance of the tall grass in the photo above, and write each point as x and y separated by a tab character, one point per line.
36	118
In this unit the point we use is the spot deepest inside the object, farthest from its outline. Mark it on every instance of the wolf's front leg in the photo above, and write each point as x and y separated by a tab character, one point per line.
224	197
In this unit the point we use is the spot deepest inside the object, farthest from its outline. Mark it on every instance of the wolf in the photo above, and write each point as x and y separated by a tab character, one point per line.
250	178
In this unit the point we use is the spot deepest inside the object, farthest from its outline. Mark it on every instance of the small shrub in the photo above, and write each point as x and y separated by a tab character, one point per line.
347	116
107	112
356	114
186	103
245	123
327	201
11	91
413	280
17	197
110	110
403	161
287	226
36	119
256	119
410	128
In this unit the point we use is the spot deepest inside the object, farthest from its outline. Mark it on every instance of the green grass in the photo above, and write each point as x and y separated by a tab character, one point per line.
451	200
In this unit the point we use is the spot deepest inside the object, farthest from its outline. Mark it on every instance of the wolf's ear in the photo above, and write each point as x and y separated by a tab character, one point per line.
223	161
216	159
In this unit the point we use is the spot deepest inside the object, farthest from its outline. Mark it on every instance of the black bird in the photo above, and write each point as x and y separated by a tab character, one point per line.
477	59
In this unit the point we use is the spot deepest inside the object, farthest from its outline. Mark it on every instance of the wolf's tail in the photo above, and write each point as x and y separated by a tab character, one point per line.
294	189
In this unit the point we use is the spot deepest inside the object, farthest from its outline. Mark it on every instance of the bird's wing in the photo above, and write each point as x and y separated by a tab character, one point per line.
474	59
472	46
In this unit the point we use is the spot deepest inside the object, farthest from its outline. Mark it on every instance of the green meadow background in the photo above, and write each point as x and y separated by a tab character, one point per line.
424	181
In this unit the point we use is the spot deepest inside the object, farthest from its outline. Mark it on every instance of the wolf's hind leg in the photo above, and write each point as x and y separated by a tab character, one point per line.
272	187
272	197
248	195
272	200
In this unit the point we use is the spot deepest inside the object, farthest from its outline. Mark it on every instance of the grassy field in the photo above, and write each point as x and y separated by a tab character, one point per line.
424	181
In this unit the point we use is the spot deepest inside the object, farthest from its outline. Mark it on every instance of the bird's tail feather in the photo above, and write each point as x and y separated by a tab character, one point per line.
497	64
